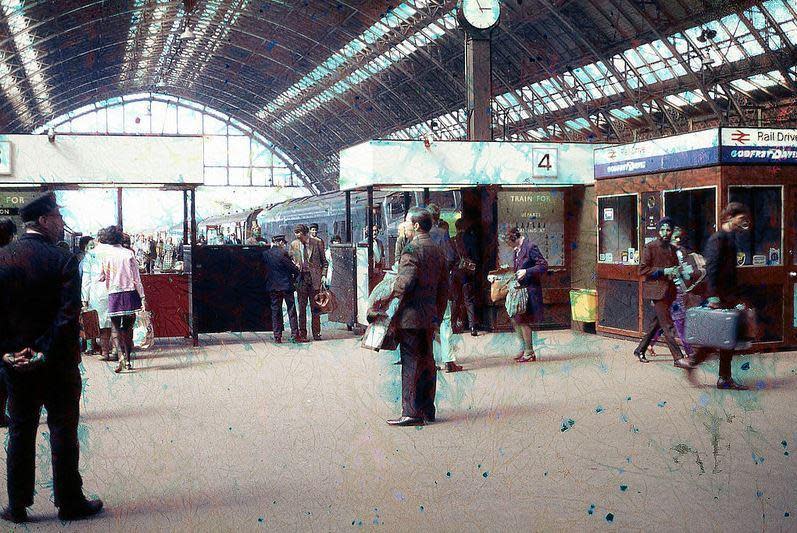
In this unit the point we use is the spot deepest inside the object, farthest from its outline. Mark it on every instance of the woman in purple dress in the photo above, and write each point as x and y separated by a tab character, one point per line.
529	265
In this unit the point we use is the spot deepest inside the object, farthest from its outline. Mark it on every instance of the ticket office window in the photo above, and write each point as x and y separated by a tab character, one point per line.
618	230
762	245
695	211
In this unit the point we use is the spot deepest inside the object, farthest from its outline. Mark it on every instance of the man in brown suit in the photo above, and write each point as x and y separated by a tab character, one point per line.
309	255
422	288
659	266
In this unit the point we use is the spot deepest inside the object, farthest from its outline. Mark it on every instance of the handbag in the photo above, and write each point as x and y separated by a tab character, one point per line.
325	302
517	300
90	324
500	281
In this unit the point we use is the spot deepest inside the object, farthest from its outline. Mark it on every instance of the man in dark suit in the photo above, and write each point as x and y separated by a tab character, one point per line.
422	288
281	282
659	266
463	276
721	286
39	310
309	255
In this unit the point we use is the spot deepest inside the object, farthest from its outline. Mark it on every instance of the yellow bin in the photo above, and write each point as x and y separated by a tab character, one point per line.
583	304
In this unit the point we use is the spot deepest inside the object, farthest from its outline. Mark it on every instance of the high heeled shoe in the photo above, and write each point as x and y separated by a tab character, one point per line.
527	357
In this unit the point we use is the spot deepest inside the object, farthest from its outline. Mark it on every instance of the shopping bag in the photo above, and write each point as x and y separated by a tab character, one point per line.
143	332
517	299
90	324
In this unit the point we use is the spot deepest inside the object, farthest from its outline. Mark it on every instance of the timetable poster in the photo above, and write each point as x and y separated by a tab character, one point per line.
540	216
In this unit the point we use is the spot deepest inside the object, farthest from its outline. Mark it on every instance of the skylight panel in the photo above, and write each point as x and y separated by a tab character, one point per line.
13	11
369	37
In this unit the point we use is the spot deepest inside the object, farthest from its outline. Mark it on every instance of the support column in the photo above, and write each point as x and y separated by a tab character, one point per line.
348	217
369	222
185	217
119	218
478	79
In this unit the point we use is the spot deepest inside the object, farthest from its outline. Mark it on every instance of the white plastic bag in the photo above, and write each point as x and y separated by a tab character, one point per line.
143	333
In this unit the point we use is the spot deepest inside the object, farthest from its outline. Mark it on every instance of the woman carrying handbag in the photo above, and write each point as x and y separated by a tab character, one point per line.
529	265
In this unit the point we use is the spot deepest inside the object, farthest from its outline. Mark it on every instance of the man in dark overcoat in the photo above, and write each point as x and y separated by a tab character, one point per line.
39	310
422	288
281	276
659	266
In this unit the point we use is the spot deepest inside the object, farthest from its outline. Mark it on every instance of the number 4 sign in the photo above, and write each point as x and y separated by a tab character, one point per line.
545	162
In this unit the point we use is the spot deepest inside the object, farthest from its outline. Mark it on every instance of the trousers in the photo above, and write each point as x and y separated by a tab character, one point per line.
418	373
306	295
662	321
277	323
57	389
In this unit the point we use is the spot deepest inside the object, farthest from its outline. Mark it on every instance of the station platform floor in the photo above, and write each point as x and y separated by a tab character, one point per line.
240	434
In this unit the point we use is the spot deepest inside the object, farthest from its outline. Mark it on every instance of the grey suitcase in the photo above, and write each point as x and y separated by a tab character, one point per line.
713	328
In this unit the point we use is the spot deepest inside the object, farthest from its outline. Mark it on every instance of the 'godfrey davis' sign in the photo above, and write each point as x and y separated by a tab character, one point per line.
750	145
698	149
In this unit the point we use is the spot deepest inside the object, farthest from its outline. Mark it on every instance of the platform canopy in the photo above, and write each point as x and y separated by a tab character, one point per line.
316	77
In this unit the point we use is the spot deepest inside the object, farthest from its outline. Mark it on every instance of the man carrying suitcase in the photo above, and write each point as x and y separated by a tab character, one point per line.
659	266
721	286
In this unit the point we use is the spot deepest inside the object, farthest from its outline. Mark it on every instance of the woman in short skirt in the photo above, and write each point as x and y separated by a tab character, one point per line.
125	294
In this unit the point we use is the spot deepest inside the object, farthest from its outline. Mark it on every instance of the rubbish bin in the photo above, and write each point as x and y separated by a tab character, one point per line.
583	304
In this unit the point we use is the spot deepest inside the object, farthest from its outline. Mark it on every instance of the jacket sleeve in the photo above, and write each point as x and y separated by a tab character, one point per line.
442	295
646	267
85	282
323	256
136	276
537	264
712	265
65	320
407	275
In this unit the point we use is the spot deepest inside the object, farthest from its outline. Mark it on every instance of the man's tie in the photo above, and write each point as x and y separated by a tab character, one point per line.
305	266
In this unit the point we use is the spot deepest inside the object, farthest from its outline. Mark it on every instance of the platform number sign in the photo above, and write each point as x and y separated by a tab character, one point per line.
5	157
545	162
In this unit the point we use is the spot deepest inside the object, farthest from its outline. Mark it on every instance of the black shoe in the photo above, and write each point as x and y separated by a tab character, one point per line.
278	340
80	510
641	356
474	332
684	362
428	418
316	337
451	366
406	421
14	514
3	422
730	384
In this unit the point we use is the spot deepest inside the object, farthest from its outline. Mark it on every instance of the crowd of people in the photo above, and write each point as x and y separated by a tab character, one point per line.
45	288
157	253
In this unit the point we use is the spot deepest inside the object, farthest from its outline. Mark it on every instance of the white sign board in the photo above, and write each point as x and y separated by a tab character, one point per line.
104	159
465	163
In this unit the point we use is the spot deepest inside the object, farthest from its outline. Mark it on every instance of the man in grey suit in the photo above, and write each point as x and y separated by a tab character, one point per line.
309	255
422	288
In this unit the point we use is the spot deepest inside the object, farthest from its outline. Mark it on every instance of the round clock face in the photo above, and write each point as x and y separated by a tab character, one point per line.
481	14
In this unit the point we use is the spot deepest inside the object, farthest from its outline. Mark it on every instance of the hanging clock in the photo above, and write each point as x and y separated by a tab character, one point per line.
479	16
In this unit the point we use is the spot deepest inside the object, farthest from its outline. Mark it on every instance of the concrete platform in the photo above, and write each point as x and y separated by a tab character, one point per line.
244	435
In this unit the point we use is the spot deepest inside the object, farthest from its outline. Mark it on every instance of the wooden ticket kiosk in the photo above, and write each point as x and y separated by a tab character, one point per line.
691	178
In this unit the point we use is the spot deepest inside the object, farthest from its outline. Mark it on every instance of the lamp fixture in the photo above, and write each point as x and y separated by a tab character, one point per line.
707	35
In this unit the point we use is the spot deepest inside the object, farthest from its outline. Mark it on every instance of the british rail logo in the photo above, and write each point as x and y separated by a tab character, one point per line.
740	137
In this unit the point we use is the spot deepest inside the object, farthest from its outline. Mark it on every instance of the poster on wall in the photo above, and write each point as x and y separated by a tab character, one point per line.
540	216
5	158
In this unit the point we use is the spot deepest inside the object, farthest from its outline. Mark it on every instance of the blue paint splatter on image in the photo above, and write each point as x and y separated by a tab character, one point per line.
591	509
567	424
610	517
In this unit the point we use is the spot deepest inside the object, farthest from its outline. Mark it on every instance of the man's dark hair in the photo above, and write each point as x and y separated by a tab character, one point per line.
314	226
336	239
665	220
113	235
84	241
301	228
422	217
513	233
7	231
459	224
734	209
434	210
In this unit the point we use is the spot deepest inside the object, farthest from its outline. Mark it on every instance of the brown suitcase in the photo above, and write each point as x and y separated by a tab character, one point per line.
90	324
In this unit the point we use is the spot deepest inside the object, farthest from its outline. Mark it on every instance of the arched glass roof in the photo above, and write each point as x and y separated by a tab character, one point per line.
234	154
